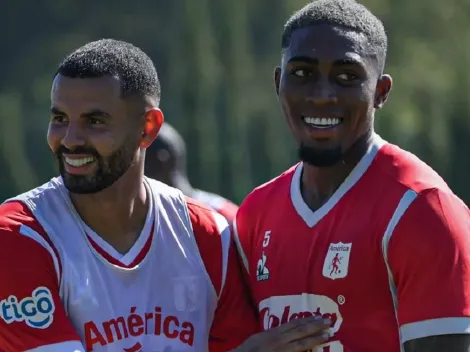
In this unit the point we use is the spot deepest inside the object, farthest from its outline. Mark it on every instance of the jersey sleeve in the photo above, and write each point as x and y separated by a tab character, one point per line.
427	252
235	317
32	316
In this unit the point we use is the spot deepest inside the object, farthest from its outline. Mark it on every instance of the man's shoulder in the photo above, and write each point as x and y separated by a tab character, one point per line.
22	237
403	168
14	214
24	218
222	205
206	222
438	208
22	208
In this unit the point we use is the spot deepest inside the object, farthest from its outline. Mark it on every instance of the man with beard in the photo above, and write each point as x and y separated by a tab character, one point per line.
166	161
360	231
102	258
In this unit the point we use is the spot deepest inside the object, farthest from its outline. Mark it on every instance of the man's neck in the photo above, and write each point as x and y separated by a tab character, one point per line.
118	213
318	184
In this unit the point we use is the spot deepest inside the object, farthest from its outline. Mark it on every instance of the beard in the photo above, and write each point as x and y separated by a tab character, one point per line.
109	169
320	158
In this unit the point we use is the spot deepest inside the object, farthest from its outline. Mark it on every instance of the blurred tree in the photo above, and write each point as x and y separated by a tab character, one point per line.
215	60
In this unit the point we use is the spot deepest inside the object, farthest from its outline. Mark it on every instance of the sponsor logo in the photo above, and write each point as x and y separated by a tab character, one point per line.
262	272
278	310
135	325
36	311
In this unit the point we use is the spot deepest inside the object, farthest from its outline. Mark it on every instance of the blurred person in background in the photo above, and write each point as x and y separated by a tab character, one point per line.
103	258
165	161
359	232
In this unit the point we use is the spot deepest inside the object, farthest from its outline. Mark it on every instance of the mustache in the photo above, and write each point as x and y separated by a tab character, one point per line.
78	150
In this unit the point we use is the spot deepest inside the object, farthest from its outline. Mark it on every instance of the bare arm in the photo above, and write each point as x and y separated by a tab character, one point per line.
448	343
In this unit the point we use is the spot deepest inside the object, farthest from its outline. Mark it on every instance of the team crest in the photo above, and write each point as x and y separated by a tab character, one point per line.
337	260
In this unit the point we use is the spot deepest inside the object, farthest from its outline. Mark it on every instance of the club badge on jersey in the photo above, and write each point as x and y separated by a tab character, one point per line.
337	260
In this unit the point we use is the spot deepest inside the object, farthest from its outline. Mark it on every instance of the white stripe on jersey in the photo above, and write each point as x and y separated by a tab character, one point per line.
408	198
224	230
29	232
240	248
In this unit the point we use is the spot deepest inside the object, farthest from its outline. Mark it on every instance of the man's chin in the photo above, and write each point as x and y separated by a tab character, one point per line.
80	184
320	157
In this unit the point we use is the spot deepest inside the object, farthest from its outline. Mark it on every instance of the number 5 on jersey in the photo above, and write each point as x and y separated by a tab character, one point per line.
262	272
267	237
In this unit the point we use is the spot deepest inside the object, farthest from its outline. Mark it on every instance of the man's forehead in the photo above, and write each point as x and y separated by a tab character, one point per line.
63	85
327	42
85	91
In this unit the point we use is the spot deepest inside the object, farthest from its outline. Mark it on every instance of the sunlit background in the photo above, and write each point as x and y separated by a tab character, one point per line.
215	60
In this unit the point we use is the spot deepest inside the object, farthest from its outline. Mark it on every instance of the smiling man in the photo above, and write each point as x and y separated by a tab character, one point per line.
102	258
360	231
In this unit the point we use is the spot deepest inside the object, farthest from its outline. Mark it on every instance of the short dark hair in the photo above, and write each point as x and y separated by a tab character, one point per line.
342	13
133	67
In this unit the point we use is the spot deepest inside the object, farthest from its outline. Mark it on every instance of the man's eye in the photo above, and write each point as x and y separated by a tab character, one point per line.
58	118
94	121
302	73
347	77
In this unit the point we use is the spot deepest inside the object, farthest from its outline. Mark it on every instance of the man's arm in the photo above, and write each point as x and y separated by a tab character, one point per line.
427	251
235	318
32	317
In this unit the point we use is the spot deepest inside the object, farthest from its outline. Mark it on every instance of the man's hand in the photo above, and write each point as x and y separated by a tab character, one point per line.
296	336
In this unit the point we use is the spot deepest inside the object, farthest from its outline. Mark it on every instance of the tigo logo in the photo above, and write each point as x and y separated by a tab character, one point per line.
36	311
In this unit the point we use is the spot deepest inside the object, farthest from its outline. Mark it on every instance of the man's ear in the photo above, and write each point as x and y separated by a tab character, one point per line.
153	122
382	91
277	78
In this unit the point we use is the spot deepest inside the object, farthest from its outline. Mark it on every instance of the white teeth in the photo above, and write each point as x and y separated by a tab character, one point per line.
322	122
79	162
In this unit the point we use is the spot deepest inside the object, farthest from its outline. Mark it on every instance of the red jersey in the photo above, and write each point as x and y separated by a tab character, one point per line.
220	204
386	258
63	288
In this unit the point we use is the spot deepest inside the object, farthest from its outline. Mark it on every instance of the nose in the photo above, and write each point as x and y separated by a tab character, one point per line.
73	137
322	92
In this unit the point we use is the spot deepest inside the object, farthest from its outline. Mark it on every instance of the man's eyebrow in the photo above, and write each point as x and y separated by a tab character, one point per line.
347	61
306	59
310	60
96	112
56	111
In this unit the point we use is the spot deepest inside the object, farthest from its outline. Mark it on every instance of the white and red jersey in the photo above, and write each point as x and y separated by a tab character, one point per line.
64	289
387	258
220	204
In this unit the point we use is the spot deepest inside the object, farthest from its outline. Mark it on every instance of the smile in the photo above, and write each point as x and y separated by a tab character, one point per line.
79	162
322	122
